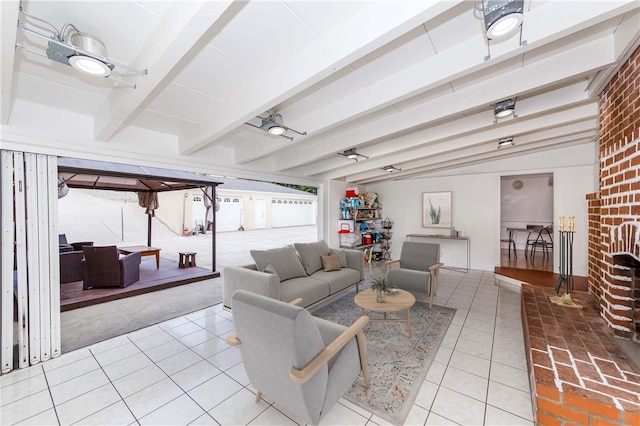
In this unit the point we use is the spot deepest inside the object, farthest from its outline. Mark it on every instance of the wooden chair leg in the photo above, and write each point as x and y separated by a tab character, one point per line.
362	348
258	396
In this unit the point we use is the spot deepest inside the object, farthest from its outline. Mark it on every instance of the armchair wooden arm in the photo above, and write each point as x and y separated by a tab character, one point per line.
390	263
434	281
304	374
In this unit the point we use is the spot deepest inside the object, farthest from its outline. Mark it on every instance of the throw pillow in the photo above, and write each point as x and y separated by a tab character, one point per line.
310	255
342	255
330	263
283	260
269	269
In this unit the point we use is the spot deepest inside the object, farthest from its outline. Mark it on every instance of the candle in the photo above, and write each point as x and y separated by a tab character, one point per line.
561	224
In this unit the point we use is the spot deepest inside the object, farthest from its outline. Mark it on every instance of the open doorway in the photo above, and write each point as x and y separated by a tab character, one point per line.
526	221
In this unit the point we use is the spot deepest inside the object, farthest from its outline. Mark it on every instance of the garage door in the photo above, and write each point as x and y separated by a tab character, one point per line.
229	217
287	212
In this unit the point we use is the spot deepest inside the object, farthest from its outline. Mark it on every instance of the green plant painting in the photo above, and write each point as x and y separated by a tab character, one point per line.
435	214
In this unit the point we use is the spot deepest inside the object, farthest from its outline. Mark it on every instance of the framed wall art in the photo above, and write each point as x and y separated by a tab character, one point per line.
436	209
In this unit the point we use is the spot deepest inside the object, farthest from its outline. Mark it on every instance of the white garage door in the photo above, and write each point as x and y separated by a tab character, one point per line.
286	212
229	217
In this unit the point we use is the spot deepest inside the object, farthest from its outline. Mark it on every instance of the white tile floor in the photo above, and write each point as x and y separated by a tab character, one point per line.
182	372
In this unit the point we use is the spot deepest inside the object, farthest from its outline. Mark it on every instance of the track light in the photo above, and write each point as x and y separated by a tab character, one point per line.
352	154
504	108
505	142
389	168
274	125
502	17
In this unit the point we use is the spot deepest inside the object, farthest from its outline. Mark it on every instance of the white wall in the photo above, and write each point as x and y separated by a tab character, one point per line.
476	203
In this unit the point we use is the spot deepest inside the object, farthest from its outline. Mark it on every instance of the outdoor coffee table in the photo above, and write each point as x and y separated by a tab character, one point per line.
143	250
400	301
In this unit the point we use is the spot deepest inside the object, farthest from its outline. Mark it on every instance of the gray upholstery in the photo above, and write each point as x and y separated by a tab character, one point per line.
284	260
310	255
275	337
413	274
312	289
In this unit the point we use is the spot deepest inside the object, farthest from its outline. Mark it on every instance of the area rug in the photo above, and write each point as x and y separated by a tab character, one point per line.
397	364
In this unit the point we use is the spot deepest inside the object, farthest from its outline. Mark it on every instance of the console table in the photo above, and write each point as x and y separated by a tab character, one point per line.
467	240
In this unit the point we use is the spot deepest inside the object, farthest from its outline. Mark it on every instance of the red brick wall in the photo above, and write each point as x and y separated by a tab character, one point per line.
619	195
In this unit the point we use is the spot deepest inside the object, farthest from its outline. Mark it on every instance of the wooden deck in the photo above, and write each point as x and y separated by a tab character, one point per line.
72	296
540	278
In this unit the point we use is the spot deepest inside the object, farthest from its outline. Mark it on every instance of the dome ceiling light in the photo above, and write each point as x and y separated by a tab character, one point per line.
274	125
80	50
501	17
352	154
508	141
504	108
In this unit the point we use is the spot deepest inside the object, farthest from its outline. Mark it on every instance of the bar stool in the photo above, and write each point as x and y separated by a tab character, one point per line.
187	259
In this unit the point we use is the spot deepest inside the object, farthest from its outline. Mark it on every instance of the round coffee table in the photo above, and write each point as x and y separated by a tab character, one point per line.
400	301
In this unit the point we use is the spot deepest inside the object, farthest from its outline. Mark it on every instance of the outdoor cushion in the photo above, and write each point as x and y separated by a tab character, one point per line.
310	255
330	263
284	261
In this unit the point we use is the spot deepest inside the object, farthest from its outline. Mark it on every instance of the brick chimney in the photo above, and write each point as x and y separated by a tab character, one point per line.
614	212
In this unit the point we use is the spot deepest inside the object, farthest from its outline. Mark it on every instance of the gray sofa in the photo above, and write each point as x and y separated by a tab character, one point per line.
296	271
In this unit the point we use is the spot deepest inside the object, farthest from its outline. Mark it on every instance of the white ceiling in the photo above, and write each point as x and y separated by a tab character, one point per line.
407	83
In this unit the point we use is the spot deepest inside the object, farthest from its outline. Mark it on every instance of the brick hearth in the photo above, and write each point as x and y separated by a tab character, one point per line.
578	375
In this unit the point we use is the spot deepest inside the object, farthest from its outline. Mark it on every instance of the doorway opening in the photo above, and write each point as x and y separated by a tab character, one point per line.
526	221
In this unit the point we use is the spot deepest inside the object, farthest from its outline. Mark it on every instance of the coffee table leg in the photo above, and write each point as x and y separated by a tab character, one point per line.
157	260
409	321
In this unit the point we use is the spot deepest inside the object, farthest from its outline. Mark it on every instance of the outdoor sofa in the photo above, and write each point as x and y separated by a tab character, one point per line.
311	271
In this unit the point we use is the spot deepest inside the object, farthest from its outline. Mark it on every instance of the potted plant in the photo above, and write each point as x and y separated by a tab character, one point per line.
381	285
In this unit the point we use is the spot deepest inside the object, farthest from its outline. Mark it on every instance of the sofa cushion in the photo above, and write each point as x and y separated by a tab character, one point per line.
338	280
330	263
307	288
310	255
283	260
342	255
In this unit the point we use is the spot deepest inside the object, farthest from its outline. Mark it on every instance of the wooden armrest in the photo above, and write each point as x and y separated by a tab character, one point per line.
303	375
232	340
296	302
391	262
435	267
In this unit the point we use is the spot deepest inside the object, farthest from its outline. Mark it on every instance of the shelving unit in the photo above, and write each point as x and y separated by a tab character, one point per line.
365	228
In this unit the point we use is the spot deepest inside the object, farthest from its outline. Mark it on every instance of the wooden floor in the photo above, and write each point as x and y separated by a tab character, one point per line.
72	296
536	271
535	263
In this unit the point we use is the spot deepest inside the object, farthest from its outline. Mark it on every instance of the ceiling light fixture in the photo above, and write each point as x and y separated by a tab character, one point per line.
502	17
389	168
82	51
504	108
274	125
505	142
352	154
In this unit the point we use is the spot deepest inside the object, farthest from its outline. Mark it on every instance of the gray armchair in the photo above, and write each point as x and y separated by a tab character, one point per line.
302	362
419	265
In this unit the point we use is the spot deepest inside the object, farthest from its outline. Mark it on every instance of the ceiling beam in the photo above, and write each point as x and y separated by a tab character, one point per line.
459	61
537	75
179	29
351	41
583	113
9	11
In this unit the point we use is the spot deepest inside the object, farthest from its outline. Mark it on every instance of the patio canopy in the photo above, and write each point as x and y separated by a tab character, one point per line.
91	174
146	181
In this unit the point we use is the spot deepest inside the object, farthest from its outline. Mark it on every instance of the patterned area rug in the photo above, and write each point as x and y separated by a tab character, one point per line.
397	364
